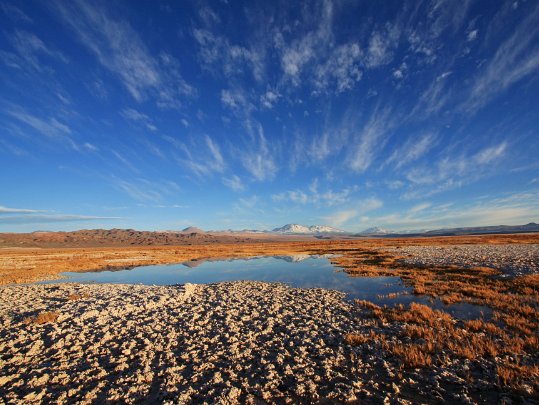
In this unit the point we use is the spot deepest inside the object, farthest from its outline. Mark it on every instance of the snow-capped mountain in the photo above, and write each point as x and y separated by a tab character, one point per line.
302	229
375	231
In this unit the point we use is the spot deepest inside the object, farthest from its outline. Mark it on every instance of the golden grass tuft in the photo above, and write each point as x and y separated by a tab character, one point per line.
42	318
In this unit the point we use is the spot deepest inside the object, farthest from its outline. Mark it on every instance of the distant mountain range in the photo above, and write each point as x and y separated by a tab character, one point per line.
298	229
473	230
375	231
302	229
196	236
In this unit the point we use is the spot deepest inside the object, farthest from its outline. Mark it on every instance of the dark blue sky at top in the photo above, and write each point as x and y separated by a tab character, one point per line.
159	115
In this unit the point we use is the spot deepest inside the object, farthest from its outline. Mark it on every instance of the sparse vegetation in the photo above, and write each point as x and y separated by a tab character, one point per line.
43	317
411	337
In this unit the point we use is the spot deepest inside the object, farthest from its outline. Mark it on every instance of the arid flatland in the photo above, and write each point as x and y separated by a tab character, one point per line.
253	342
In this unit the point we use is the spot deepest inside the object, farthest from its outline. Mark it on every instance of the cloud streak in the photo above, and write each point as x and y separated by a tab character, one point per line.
118	47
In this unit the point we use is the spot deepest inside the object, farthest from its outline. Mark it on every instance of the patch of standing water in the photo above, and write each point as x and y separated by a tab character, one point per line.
304	271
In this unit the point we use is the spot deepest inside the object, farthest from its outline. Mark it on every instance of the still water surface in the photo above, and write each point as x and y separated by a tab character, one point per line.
297	271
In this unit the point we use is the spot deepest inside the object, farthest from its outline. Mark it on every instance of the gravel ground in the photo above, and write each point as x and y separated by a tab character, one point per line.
511	259
242	342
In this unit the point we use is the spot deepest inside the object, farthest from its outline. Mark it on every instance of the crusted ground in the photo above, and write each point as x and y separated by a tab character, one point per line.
239	342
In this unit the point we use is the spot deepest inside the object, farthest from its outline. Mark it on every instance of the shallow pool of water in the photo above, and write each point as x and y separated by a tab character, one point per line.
297	271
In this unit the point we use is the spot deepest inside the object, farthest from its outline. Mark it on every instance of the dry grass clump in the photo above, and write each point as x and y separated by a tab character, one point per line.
412	356
77	296
357	339
517	376
43	317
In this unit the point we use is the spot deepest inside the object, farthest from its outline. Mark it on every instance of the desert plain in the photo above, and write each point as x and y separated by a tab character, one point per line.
257	342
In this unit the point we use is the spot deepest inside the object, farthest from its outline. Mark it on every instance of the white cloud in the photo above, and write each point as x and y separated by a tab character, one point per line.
218	55
52	218
90	147
138	191
339	218
472	35
138	117
249	202
452	171
269	98
491	153
234	183
513	210
200	163
50	127
217	162
314	196
381	47
7	210
369	204
394	184
294	58
345	216
119	48
399	73
15	13
144	190
369	141
29	49
434	98
516	58
413	149
419	207
236	99
341	67
257	157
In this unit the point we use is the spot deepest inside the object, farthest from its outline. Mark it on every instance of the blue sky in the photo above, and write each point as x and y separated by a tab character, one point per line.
156	115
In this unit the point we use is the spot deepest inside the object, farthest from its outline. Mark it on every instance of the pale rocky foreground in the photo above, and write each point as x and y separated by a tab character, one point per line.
246	342
511	259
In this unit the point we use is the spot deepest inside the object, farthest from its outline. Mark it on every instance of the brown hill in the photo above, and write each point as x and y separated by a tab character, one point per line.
115	237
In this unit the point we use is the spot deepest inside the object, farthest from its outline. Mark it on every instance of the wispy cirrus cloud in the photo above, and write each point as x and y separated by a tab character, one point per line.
119	48
29	49
237	99
360	207
381	46
314	196
139	118
15	13
203	157
490	153
413	149
48	219
514	209
451	172
234	183
257	158
144	190
370	140
21	216
342	68
50	127
221	57
7	210
516	57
